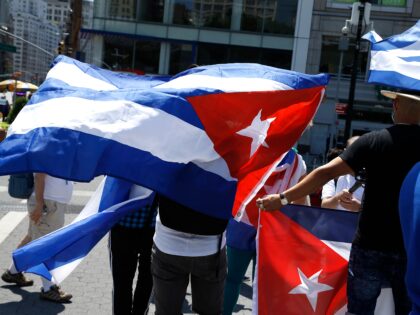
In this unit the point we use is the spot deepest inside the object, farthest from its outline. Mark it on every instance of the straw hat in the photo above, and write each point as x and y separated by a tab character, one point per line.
393	95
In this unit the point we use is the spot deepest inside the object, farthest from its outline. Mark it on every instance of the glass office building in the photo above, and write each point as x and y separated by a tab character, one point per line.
166	36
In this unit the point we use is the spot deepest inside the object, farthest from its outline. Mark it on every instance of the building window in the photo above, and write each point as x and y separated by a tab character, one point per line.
270	16
200	13
330	57
151	10
388	3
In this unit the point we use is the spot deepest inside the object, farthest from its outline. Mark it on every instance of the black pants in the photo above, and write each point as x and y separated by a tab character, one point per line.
130	248
171	275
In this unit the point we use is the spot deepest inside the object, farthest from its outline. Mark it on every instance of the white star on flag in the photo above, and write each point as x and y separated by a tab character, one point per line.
310	287
257	131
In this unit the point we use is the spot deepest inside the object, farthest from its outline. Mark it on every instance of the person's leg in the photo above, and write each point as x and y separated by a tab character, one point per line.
144	279
364	281
123	260
237	264
170	281
11	275
402	302
208	282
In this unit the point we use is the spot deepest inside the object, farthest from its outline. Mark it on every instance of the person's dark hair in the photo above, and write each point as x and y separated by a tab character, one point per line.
333	153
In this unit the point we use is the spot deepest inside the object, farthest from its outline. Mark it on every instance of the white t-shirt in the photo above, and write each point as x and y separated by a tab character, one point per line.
179	243
58	189
343	182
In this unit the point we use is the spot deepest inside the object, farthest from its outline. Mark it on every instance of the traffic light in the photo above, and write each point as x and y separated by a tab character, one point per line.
61	48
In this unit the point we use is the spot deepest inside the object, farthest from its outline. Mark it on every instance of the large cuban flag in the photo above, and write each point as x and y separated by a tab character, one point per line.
302	258
194	137
395	60
200	138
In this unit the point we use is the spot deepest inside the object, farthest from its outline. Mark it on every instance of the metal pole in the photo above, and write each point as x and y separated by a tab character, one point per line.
352	89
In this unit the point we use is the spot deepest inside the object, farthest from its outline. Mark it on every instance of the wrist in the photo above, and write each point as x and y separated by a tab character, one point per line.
283	199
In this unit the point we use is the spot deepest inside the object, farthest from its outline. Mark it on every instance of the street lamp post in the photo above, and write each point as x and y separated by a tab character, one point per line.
2	30
360	6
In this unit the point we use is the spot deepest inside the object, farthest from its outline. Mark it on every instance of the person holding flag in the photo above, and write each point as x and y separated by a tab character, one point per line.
377	255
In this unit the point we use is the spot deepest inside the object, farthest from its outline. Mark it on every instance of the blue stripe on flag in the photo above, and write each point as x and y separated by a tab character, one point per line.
325	224
175	180
395	79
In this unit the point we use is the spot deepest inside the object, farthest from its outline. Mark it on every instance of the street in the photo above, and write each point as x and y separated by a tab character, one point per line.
90	283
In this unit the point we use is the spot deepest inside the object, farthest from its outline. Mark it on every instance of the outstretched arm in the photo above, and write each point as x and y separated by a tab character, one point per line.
309	184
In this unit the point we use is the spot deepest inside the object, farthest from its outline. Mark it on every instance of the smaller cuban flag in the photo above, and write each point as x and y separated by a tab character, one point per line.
55	255
395	61
302	260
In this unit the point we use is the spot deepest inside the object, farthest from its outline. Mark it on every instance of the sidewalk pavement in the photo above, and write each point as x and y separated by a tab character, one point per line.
90	284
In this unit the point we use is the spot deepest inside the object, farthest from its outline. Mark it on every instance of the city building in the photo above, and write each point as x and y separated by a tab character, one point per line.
157	36
29	24
6	44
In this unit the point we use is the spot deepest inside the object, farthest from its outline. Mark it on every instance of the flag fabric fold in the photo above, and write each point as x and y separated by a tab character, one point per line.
394	60
55	255
193	137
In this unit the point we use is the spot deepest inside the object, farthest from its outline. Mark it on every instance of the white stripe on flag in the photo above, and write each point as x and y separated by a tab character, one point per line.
341	248
390	60
9	222
100	118
74	76
238	84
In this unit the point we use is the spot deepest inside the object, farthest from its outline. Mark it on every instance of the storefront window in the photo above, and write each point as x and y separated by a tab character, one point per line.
118	53
181	57
129	55
147	57
202	13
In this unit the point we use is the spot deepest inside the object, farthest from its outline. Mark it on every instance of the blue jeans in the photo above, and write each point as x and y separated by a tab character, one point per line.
368	271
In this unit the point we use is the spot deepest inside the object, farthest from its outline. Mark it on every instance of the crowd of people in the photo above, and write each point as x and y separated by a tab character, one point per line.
173	246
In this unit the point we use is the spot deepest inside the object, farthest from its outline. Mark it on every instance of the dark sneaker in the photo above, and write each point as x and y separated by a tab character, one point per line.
55	294
18	278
